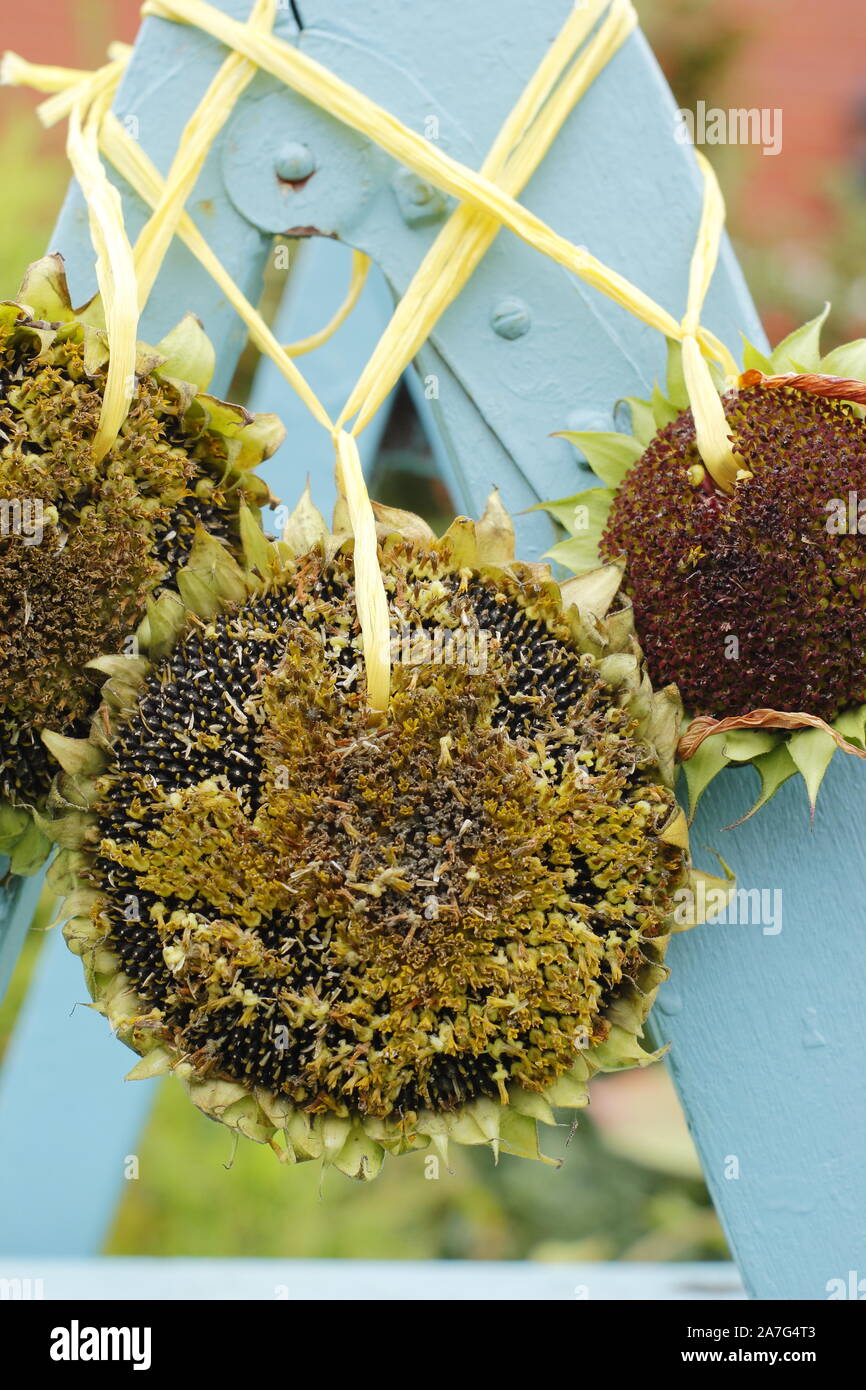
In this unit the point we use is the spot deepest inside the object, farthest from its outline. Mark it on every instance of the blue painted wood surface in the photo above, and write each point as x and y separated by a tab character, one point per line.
18	901
765	1028
367	1280
316	287
68	1120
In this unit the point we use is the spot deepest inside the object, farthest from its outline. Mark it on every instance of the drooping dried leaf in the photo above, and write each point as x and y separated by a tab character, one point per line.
705	726
838	388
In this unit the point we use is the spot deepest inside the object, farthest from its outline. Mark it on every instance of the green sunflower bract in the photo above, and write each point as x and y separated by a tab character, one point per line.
753	599
351	934
82	544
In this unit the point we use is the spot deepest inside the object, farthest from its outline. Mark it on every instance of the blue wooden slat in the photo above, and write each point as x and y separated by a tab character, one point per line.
370	1280
17	904
67	1118
581	353
315	290
316	287
767	1030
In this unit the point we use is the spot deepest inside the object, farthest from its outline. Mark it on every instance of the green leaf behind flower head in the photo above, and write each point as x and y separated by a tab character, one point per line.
45	290
742	745
847	360
584	515
609	454
664	412
643	422
677	392
754	358
802	348
256	437
700	769
774	768
188	353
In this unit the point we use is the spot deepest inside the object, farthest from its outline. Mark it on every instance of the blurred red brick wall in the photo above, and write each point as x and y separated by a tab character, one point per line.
807	57
69	33
72	33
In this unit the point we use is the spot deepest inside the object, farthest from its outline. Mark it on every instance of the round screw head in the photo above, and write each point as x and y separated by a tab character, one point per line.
295	162
419	202
511	318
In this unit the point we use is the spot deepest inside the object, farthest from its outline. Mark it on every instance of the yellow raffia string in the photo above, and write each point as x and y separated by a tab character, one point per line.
130	161
712	346
370	597
706	249
16	71
518	150
82	91
313	81
711	426
198	136
516	153
360	273
141	174
115	270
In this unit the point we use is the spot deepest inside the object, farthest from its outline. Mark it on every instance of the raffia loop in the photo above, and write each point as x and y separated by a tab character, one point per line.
359	277
143	176
711	425
313	81
15	71
370	598
707	243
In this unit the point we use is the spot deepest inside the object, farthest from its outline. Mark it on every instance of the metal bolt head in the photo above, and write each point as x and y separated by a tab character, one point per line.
295	162
419	202
511	318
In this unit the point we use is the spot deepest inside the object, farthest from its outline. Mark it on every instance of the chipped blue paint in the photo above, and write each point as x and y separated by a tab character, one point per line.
765	1028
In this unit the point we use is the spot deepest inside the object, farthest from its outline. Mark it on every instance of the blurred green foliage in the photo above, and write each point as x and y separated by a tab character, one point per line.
199	1194
26	964
797	277
34	181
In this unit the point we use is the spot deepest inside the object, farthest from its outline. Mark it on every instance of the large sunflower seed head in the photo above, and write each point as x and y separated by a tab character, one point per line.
351	935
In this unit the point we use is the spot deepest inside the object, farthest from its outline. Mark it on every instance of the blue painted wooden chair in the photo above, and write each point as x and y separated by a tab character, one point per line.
765	1028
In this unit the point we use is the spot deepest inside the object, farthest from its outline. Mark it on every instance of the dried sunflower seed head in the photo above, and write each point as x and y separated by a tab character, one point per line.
82	545
760	568
750	599
374	934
